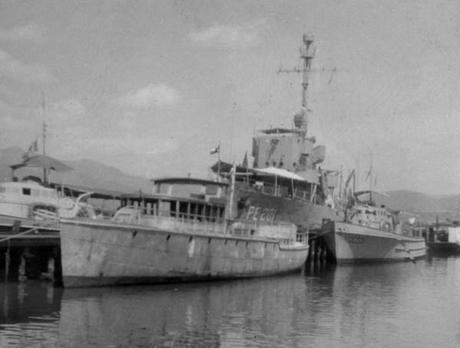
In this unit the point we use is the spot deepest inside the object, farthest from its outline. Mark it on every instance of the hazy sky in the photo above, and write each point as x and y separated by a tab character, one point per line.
151	86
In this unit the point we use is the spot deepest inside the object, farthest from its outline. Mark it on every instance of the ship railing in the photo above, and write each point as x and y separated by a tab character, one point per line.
199	224
281	191
229	227
191	216
183	224
43	214
208	216
278	231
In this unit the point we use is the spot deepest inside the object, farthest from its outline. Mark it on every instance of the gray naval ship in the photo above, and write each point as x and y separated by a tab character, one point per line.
286	182
251	222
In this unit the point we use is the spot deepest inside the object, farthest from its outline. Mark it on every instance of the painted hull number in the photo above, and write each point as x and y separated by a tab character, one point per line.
255	213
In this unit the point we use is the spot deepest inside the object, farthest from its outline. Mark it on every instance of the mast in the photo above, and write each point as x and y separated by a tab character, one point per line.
307	53
370	179
45	125
45	172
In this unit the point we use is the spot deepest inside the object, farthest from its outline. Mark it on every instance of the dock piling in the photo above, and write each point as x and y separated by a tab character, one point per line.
7	261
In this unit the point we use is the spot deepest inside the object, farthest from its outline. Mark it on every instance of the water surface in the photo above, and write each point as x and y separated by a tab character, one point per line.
389	305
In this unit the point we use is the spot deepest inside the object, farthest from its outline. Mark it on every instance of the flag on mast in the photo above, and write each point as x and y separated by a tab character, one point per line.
31	151
215	150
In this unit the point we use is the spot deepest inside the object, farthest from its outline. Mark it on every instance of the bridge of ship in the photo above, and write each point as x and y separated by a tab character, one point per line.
278	182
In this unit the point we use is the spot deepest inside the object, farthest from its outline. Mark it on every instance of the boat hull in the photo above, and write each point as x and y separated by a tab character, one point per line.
351	243
300	212
101	253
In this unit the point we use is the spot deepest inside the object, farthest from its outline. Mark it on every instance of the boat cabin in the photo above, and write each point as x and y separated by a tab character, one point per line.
371	216
20	199
366	213
184	198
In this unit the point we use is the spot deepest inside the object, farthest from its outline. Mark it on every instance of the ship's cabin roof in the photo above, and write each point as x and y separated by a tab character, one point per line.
187	189
188	181
138	197
268	174
185	198
276	131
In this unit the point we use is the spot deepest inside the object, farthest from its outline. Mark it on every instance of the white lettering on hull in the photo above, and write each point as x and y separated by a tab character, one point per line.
255	213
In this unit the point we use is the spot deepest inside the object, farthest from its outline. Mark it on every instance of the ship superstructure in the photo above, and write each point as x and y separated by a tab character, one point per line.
286	180
291	148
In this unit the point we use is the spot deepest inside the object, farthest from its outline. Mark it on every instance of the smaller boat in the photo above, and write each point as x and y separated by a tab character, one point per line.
443	239
30	208
370	233
29	199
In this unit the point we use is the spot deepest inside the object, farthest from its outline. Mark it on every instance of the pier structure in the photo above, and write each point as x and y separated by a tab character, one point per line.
30	247
29	250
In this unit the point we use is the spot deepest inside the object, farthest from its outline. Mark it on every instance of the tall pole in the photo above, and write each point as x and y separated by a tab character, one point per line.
307	54
218	162
370	179
45	172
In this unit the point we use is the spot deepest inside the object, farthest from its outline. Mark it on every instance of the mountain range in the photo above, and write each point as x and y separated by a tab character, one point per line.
86	173
98	176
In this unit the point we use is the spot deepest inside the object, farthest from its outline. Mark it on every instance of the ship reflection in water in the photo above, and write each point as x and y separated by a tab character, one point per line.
400	305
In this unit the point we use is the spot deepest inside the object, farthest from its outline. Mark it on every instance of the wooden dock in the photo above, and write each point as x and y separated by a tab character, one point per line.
29	249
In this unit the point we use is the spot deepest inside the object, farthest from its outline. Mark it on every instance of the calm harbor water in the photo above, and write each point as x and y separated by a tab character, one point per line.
390	305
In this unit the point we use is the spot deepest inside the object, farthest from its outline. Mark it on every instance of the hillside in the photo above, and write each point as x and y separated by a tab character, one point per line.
85	172
92	174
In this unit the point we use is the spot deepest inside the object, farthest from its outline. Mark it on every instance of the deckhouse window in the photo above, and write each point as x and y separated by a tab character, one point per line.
26	191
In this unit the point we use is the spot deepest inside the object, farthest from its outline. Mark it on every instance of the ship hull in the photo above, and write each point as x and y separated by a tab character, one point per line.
300	212
101	254
351	243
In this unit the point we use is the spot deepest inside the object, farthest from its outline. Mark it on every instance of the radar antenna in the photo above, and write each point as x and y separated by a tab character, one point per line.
307	53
